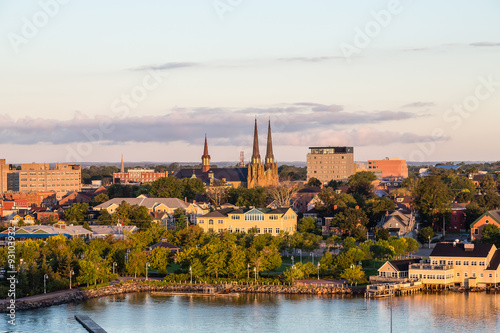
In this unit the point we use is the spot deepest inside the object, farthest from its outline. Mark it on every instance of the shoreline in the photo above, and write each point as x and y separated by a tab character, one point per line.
137	287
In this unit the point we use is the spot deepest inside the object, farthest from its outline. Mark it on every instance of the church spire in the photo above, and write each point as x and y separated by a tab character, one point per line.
122	168
269	153
205	158
255	154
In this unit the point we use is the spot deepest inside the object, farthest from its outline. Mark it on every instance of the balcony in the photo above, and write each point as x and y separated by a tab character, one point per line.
431	267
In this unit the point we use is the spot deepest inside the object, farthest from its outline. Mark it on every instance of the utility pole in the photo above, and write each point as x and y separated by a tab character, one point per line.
443	227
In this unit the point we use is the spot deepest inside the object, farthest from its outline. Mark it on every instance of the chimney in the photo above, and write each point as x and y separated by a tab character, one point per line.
185	199
386	213
334	207
357	207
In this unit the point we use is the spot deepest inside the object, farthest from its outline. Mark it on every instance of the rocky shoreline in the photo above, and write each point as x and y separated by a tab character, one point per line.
135	287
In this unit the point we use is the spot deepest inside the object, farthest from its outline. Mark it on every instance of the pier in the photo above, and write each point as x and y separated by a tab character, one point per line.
89	324
397	289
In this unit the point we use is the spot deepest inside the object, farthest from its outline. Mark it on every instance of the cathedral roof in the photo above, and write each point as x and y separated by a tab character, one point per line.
230	174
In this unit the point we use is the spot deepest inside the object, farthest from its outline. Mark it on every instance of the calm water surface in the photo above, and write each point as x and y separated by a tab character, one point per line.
474	312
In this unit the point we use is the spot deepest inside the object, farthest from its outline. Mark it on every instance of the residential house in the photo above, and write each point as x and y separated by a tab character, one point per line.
490	217
457	217
303	197
394	271
399	222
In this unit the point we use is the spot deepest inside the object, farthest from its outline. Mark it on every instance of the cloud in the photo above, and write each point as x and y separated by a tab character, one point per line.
165	66
291	124
419	105
482	44
309	59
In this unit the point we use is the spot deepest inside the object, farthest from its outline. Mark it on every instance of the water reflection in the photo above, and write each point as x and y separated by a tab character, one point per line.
142	312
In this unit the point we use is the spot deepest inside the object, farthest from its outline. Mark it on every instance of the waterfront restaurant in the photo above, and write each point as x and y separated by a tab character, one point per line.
459	265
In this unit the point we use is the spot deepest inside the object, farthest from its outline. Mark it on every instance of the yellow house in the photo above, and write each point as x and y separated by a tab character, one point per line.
260	220
457	264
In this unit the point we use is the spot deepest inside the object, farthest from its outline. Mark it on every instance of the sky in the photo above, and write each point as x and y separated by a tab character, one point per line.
88	81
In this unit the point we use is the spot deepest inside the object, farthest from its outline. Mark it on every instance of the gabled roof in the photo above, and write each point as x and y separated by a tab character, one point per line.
149	203
166	245
494	214
495	261
226	211
461	250
403	265
112	229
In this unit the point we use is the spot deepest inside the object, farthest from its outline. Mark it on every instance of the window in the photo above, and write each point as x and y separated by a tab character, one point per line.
466	263
473	263
458	274
476	231
434	262
487	221
235	217
277	230
237	230
273	217
465	274
457	262
490	275
442	262
473	274
210	221
481	263
201	221
450	262
482	275
220	221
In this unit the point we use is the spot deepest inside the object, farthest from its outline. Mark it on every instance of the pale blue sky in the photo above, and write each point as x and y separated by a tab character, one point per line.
279	59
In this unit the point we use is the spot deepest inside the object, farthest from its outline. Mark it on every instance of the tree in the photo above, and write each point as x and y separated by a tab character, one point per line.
283	194
104	218
122	213
192	187
382	233
88	272
487	184
306	224
377	207
78	212
361	183
167	187
86	226
237	262
159	259
136	263
490	230
350	219
180	219
433	198
139	215
99	199
425	234
314	182
354	274
217	193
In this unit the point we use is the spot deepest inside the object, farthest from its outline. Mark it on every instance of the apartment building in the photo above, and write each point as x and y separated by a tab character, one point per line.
138	175
40	177
388	167
330	163
260	220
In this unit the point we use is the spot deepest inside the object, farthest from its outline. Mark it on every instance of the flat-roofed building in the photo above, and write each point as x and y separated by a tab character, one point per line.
330	163
389	167
138	175
259	220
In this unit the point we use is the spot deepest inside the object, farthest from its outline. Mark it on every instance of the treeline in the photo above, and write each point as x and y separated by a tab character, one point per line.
205	255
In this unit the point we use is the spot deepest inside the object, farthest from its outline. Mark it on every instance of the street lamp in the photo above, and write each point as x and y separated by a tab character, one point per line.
45	277
429	237
248	271
71	272
300	252
147	265
318	269
191	272
114	265
292	260
312	256
255	273
126	255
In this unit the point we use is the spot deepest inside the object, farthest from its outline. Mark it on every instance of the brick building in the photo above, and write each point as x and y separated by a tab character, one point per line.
389	167
330	163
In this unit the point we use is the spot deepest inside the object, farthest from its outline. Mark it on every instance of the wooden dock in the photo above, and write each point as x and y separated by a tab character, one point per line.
89	324
162	293
397	289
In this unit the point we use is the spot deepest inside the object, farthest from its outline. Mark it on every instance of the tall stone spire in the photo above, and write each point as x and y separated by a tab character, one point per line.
205	158
269	153
255	154
122	167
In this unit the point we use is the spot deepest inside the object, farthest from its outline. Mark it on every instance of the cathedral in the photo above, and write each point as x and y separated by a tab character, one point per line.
256	174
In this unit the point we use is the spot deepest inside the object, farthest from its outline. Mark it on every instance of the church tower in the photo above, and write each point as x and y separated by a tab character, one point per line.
269	152
262	174
205	158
